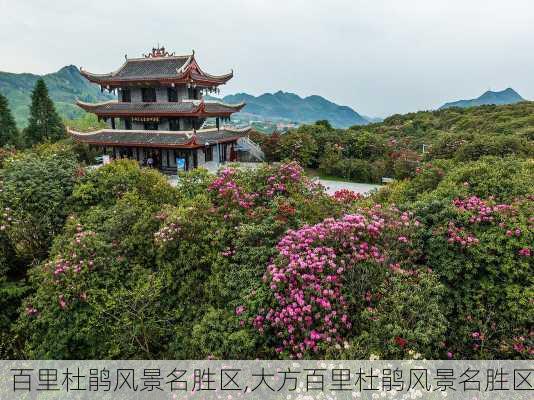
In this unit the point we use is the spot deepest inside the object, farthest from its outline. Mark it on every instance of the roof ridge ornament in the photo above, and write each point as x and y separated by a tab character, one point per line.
158	52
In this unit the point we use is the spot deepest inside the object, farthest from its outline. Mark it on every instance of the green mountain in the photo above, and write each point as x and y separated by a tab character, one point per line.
507	96
64	86
283	106
67	85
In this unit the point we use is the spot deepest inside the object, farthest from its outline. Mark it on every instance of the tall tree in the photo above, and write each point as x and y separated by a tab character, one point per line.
8	129
44	124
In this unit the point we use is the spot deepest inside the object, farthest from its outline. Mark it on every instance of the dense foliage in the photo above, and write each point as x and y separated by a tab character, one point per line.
262	263
397	147
9	134
44	124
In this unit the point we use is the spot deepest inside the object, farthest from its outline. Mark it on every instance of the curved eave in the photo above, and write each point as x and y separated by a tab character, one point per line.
191	142
182	79
95	78
200	111
204	76
91	107
211	79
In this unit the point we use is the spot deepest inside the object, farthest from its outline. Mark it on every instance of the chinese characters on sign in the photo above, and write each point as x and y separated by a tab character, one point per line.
460	380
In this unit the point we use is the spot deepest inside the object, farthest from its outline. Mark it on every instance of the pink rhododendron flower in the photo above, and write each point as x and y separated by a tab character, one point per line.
525	252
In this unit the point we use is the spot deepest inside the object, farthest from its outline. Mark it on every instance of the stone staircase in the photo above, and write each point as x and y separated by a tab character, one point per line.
254	151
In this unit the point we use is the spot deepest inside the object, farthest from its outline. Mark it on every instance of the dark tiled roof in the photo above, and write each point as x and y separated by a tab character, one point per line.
169	68
113	107
143	138
151	67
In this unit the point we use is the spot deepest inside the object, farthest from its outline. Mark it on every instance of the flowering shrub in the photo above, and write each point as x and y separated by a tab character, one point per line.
315	264
100	281
483	257
218	244
346	196
262	263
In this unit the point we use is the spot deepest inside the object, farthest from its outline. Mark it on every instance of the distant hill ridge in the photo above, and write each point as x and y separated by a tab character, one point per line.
286	106
64	86
506	96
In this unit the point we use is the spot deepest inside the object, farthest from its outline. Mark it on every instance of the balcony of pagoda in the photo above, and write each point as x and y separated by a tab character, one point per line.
185	108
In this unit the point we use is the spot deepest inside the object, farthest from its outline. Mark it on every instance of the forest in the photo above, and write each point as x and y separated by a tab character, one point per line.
396	147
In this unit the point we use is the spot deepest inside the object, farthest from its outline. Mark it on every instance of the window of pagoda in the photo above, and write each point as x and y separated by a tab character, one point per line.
208	154
193	93
126	95
174	124
148	94
172	94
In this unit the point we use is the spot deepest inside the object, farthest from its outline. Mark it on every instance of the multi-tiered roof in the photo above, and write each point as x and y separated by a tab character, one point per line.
176	120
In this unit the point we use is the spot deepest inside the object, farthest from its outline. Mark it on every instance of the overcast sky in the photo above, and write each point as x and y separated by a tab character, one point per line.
379	57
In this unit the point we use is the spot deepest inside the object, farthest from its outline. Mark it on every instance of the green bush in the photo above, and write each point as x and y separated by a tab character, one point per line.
500	146
107	184
35	187
299	146
407	322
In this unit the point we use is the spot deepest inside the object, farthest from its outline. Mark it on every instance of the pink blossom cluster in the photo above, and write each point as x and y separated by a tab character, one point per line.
288	173
525	252
460	236
307	278
31	310
396	268
75	261
226	188
167	233
228	252
521	345
346	196
481	210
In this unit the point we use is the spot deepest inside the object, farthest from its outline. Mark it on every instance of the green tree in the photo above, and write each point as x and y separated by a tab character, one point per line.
325	123
8	129
299	146
44	124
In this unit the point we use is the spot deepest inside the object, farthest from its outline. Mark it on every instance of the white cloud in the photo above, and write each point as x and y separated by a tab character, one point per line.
377	56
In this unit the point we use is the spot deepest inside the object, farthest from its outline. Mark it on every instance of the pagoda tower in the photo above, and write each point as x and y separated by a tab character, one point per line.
160	112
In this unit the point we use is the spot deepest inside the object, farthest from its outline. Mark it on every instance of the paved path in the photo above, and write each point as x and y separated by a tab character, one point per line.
362	188
330	186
